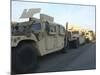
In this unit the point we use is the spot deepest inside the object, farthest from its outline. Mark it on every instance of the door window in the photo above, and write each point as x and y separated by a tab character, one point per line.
36	27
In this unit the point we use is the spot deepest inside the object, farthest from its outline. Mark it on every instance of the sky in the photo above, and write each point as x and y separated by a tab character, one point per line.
83	16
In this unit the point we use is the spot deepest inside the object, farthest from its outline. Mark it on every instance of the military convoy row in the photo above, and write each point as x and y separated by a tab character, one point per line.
38	37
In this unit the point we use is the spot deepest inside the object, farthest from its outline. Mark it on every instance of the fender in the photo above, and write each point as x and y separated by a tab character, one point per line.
18	38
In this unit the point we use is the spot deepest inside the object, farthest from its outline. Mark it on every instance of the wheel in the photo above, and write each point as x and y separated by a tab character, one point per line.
87	40
76	43
69	44
64	50
24	59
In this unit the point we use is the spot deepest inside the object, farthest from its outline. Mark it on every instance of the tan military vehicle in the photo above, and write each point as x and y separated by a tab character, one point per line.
89	36
73	39
33	38
75	36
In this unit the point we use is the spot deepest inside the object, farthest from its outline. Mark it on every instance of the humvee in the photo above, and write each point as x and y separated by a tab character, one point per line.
89	36
73	39
76	37
33	38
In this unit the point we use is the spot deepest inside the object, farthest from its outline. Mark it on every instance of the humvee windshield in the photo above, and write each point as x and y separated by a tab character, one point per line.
75	32
87	33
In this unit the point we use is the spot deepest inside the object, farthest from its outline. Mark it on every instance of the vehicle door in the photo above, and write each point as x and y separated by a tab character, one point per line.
50	38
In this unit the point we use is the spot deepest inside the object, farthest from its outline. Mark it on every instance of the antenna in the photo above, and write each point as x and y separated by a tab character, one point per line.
28	13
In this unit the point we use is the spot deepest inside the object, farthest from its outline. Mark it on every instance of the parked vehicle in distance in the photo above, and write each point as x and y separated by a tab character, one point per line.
89	36
75	36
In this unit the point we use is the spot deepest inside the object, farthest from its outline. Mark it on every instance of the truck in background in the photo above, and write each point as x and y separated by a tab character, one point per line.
90	36
75	36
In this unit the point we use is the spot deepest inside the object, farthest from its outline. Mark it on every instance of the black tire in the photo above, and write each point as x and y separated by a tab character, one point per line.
69	44
76	43
64	50
87	40
24	59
